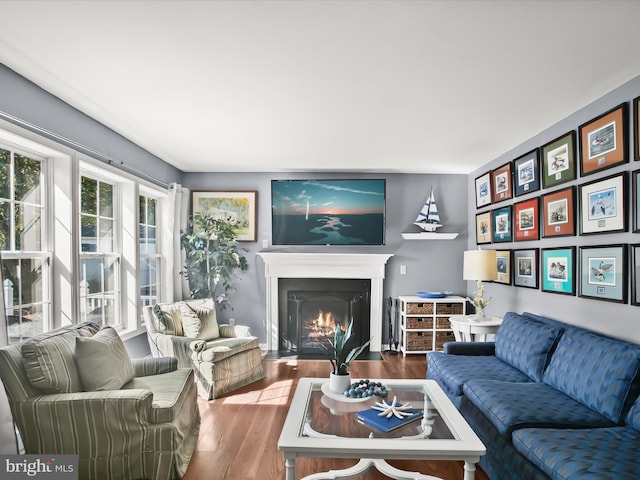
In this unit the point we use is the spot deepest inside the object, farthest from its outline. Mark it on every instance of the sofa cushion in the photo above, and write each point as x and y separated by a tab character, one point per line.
509	406
199	321
48	358
453	371
168	318
222	348
595	370
585	454
103	362
633	417
525	344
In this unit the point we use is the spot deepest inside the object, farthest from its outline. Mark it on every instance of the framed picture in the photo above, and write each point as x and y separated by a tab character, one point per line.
558	270
239	205
603	141
635	274
501	219
559	160
483	190
503	265
526	171
602	205
603	273
558	218
636	127
636	200
526	217
501	183
525	268
483	228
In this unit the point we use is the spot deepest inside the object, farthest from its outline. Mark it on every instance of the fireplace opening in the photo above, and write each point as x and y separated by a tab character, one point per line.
311	308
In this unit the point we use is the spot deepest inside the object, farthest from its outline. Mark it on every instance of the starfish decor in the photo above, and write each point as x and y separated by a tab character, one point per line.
390	409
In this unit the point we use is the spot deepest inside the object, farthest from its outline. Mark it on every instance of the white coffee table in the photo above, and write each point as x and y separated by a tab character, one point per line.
320	425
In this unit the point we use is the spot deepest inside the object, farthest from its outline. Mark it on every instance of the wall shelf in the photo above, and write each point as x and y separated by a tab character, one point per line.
429	236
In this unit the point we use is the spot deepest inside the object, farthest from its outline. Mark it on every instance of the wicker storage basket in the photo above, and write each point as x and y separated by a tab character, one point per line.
419	341
442	338
442	322
419	308
419	322
450	308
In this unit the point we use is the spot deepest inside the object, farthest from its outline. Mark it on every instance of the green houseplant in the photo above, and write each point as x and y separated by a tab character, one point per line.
342	351
213	257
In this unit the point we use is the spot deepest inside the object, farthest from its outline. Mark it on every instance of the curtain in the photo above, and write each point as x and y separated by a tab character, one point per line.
175	285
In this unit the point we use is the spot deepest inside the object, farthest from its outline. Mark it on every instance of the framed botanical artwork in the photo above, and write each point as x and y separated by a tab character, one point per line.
525	268
240	206
526	173
483	228
558	270
603	141
558	218
503	266
501	183
602	205
635	274
502	228
525	218
558	159
636	127
483	190
603	273
635	188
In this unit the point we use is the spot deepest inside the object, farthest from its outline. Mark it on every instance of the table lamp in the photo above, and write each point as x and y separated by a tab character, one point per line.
479	265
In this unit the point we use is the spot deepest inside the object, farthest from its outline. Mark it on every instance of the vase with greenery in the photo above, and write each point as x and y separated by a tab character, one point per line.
342	351
213	257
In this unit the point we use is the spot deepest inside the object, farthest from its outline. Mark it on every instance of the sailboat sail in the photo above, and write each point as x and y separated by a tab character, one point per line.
428	219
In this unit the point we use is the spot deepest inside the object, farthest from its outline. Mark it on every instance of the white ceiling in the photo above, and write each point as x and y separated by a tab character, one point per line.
370	86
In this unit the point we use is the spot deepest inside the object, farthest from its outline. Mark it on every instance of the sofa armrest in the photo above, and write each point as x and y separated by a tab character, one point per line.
143	367
470	348
173	346
234	331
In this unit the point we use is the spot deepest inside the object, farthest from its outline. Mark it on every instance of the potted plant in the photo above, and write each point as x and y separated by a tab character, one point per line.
343	351
213	257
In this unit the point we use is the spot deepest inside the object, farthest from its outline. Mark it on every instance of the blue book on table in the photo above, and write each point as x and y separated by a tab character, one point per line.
371	417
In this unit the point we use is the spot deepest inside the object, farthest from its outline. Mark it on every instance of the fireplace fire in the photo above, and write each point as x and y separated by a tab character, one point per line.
310	310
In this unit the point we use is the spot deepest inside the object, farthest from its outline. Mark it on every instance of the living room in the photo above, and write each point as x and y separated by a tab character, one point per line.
33	115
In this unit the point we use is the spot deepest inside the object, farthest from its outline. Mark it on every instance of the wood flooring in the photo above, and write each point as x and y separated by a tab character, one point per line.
239	432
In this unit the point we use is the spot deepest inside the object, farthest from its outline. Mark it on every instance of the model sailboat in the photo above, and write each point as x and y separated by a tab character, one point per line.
428	219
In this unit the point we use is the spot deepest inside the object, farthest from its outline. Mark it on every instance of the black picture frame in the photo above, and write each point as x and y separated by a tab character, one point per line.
558	160
525	266
634	267
483	190
526	173
636	128
503	267
483	228
502	222
635	189
603	273
603	141
603	205
558	270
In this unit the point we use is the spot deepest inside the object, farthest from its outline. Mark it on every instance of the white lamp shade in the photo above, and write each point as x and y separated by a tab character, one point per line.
479	265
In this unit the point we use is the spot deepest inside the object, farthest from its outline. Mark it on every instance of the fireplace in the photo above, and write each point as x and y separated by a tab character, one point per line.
282	265
310	309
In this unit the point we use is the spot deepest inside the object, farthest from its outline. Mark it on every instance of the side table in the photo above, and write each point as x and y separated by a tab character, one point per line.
467	328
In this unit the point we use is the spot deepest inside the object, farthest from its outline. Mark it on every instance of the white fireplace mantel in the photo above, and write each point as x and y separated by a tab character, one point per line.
325	265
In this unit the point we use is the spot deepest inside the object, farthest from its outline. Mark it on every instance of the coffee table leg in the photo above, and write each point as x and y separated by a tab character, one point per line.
290	467
469	471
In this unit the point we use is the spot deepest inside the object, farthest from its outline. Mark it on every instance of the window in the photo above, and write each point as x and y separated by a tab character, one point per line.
99	256
25	261
149	275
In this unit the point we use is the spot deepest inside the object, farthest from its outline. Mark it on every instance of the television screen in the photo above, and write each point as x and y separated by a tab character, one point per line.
327	212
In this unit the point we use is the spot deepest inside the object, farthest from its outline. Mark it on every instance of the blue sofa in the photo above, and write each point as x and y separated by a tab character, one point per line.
548	399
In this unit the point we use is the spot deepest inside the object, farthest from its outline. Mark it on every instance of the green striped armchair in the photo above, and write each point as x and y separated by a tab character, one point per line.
146	429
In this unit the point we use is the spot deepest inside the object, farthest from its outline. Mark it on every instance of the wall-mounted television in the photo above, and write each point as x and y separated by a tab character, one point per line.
327	212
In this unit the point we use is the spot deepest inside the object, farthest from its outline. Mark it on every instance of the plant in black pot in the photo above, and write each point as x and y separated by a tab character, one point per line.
213	257
342	351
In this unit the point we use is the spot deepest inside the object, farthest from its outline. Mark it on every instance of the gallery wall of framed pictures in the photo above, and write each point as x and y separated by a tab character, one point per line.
565	188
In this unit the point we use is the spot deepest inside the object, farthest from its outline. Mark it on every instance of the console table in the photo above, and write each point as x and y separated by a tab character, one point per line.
467	328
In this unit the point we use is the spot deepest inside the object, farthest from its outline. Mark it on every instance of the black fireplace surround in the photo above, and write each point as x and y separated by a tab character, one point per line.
310	308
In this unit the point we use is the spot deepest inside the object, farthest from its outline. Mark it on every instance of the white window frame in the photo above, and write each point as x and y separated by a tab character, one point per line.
160	202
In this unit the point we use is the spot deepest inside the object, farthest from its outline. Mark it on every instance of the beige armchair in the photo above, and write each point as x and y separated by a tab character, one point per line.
224	357
61	391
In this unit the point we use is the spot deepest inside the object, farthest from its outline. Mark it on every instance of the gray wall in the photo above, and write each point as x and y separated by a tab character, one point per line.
611	318
24	103
431	265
